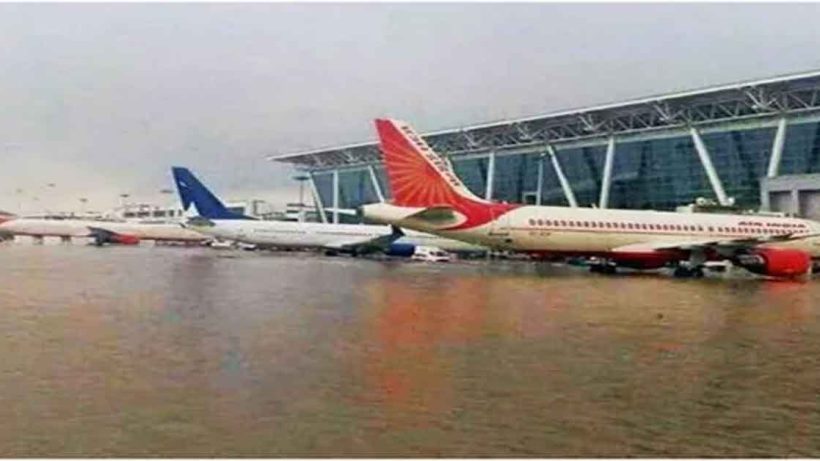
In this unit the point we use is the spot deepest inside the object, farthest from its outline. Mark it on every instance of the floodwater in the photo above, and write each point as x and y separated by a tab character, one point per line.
126	351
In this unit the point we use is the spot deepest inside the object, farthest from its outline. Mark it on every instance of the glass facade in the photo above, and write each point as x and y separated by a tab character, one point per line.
658	173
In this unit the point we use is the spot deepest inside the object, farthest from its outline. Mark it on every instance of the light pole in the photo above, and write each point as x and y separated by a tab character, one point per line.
123	203
168	203
301	178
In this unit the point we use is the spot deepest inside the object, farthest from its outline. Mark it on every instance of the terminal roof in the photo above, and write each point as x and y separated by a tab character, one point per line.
769	97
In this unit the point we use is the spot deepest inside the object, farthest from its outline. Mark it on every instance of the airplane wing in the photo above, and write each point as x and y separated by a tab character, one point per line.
364	244
729	245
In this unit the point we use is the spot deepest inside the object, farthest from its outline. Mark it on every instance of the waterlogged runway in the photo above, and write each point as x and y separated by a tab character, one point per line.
192	352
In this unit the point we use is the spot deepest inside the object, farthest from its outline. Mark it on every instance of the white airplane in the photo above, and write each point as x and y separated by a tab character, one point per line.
125	233
429	197
216	220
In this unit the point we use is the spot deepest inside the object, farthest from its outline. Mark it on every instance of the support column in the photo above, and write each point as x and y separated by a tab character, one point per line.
777	148
711	173
488	191
795	202
317	199
765	201
335	196
561	178
376	186
606	181
540	184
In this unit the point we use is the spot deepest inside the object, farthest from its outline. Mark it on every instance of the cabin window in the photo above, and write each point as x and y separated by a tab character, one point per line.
532	222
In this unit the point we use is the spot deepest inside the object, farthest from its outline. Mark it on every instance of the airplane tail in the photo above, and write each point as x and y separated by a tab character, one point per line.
418	176
5	216
422	180
191	190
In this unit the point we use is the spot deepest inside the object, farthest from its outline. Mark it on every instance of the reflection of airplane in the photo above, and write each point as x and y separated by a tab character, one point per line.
429	197
126	233
216	220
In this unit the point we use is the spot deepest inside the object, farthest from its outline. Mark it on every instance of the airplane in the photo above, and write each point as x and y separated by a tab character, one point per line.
216	220
429	197
102	232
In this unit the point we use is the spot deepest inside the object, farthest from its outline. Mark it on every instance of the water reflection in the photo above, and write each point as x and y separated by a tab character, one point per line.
141	352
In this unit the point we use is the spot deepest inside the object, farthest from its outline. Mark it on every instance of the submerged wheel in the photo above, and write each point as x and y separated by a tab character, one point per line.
682	272
603	268
595	268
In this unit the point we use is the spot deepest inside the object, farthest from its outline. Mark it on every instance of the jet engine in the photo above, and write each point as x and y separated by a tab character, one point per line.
103	236
776	262
125	239
404	250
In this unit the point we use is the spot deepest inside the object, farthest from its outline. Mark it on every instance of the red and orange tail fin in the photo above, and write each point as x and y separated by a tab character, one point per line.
418	176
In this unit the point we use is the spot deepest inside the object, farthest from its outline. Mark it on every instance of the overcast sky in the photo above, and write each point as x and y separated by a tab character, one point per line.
101	99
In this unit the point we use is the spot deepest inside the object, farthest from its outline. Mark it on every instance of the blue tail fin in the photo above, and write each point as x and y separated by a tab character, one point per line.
192	191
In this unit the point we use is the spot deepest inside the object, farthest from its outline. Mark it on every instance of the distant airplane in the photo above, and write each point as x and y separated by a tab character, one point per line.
429	197
103	232
218	221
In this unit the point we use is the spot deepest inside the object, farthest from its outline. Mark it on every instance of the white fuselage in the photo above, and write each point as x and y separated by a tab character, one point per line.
543	229
42	227
288	234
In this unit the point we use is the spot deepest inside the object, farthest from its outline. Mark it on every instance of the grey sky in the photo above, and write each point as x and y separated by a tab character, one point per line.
103	98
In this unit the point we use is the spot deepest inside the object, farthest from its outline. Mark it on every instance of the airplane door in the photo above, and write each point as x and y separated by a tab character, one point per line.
500	228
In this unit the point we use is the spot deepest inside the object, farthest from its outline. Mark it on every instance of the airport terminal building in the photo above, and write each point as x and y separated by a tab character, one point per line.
753	144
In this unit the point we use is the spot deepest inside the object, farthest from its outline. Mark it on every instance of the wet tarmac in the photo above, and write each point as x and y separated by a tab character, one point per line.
124	351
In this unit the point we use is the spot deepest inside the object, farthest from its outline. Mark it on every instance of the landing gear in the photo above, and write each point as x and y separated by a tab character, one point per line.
689	272
603	267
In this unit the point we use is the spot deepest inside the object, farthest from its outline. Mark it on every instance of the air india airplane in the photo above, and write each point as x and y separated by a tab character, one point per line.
429	197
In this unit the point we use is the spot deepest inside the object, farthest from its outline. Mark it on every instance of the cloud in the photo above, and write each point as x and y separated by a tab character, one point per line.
103	98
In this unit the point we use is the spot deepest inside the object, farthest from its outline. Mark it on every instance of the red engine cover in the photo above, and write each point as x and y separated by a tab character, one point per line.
124	239
782	262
